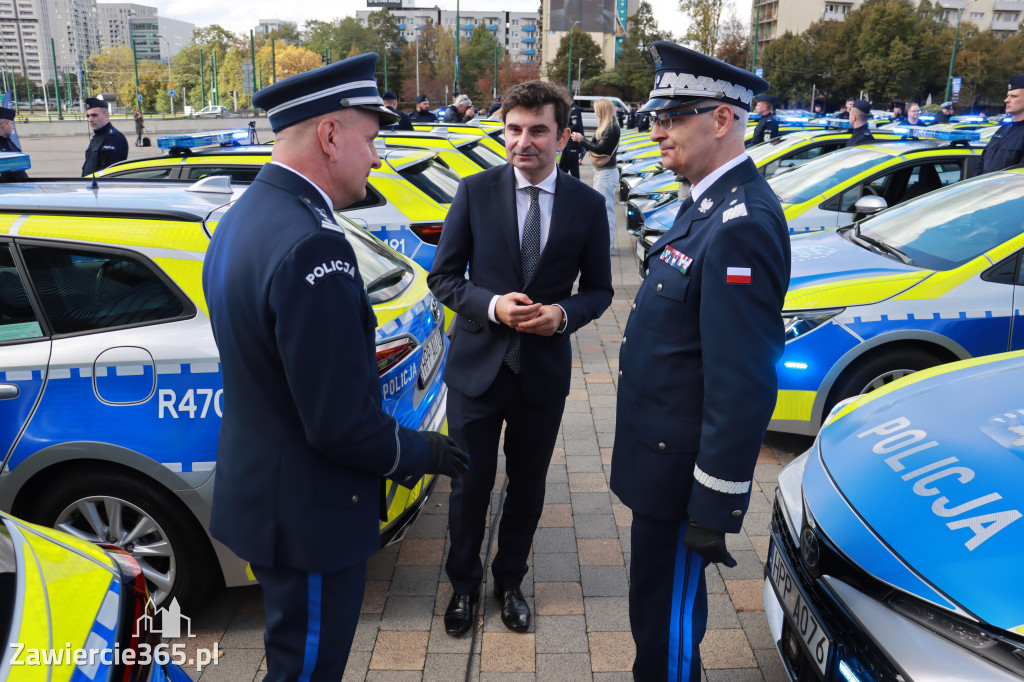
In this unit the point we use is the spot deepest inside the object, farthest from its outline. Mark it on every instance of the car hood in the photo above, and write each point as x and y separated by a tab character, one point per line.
937	479
831	272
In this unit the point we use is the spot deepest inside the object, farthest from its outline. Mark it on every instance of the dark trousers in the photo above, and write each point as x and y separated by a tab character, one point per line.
311	620
570	163
530	432
668	602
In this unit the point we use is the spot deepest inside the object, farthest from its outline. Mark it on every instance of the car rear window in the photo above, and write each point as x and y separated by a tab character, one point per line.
143	173
86	290
237	173
433	179
385	274
485	157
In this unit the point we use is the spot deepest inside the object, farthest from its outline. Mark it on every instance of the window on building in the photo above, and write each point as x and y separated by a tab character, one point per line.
977	15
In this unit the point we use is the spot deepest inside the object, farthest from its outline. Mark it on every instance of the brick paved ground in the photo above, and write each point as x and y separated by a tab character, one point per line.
577	585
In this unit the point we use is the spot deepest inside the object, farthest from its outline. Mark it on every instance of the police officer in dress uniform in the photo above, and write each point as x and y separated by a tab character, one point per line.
769	123
423	114
304	444
570	160
7	144
859	115
1006	148
697	379
946	113
391	102
108	145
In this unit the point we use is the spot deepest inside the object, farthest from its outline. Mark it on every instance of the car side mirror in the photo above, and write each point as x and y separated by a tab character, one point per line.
869	205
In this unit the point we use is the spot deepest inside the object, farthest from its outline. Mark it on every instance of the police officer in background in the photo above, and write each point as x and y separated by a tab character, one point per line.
946	113
108	145
1006	148
7	144
769	123
391	102
860	112
897	113
697	388
423	114
570	160
304	443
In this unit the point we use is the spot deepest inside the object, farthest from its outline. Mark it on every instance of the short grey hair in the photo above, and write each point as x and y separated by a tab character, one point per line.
463	100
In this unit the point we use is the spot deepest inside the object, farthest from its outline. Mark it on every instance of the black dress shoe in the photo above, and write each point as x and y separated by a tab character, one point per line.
515	612
458	617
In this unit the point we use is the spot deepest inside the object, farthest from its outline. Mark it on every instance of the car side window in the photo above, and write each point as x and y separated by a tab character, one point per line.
236	173
85	290
17	319
143	173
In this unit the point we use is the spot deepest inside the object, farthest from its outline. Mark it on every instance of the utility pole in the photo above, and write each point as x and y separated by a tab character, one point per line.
273	61
495	95
202	81
757	27
572	33
252	56
56	76
458	30
216	95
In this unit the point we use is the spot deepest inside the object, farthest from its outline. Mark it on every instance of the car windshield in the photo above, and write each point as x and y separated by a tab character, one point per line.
483	156
385	274
951	226
433	179
814	177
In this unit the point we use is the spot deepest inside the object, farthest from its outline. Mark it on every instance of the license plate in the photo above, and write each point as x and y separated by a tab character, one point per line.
432	351
803	619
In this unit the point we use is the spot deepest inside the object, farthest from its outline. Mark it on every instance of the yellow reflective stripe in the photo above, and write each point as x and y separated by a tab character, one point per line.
408	199
459	163
796	210
85	547
421	142
145	163
168	234
34	630
920	376
389	310
187	274
248	572
6	221
234	160
1005	249
851	292
794	405
1019	629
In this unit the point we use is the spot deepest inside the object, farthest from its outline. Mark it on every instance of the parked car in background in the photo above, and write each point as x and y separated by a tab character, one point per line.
213	111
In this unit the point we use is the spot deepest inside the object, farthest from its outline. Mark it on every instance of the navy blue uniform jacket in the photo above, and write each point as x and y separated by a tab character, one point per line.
697	382
106	147
482	230
8	145
860	136
1005	149
303	441
769	123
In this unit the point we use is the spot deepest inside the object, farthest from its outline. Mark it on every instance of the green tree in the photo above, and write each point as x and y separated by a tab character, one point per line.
787	66
197	85
633	63
890	46
583	46
733	42
476	63
340	36
385	38
705	23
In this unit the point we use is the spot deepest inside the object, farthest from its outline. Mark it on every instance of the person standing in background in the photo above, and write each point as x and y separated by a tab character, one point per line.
108	145
570	159
140	124
603	155
7	144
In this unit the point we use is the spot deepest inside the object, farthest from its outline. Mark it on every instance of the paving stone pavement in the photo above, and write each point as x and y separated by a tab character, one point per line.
578	582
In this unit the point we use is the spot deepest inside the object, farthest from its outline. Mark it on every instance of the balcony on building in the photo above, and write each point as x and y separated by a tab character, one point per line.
529	40
529	52
1007	6
1004	25
529	28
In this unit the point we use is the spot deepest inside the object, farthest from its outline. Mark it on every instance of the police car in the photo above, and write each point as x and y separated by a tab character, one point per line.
463	154
491	136
406	201
897	539
111	380
934	280
62	596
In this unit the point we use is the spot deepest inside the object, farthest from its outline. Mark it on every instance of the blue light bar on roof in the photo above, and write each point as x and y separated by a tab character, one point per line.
923	133
927	118
1006	119
973	118
834	122
221	137
14	161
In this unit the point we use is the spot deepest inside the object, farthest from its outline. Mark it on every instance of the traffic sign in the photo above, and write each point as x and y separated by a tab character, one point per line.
171	93
759	72
247	79
140	98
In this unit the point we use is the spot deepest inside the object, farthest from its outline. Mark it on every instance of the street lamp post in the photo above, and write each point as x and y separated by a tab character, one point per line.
572	30
952	57
170	81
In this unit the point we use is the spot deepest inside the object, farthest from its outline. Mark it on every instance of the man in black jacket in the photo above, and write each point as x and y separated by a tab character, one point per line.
570	161
7	144
108	145
423	114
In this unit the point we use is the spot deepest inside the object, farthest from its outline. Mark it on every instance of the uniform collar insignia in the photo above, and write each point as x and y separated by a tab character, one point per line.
705	205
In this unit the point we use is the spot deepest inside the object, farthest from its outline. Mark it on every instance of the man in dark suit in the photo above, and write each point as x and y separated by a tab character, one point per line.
108	145
304	443
526	232
697	379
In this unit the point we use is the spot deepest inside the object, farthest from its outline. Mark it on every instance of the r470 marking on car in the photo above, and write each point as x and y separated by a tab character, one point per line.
167	400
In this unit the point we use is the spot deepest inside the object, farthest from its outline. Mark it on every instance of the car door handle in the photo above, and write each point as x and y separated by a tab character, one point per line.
8	391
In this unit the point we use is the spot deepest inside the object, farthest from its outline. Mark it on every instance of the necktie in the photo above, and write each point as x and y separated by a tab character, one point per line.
529	253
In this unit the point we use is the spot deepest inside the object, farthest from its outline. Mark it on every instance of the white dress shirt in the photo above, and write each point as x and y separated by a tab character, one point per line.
327	199
713	176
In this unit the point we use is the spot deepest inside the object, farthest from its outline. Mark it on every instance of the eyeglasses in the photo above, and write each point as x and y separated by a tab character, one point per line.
664	119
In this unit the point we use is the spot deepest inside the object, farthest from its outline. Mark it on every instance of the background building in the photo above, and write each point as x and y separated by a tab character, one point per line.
115	21
516	31
604	20
265	26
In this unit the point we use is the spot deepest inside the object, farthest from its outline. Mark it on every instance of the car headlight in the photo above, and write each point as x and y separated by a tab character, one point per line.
799	324
997	649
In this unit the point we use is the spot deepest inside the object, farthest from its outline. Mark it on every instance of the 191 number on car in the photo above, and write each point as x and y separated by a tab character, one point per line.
805	622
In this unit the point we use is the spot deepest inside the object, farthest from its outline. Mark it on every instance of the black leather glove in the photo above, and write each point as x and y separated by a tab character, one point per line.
710	544
445	456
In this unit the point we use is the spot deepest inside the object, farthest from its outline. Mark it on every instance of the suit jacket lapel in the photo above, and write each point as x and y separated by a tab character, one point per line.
503	194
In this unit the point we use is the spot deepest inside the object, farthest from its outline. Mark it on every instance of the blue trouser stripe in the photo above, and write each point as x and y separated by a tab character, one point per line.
685	582
312	627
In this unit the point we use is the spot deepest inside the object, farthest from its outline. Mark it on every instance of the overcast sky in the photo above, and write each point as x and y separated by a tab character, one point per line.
240	17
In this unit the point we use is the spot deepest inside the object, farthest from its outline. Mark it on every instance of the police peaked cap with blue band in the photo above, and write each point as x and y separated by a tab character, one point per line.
684	76
348	83
93	103
1016	83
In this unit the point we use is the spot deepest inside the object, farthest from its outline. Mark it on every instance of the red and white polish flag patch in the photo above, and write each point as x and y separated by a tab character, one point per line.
737	275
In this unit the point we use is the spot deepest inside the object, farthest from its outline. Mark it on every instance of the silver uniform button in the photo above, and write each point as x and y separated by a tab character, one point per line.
620	373
647	272
355	498
623	340
662	446
736	512
634	305
659	287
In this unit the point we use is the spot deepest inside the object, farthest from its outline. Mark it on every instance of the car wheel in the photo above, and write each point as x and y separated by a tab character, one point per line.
139	517
878	370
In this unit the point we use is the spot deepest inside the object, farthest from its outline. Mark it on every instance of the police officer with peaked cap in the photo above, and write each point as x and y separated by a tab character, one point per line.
946	113
108	145
769	122
1006	147
304	444
860	112
7	144
697	379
